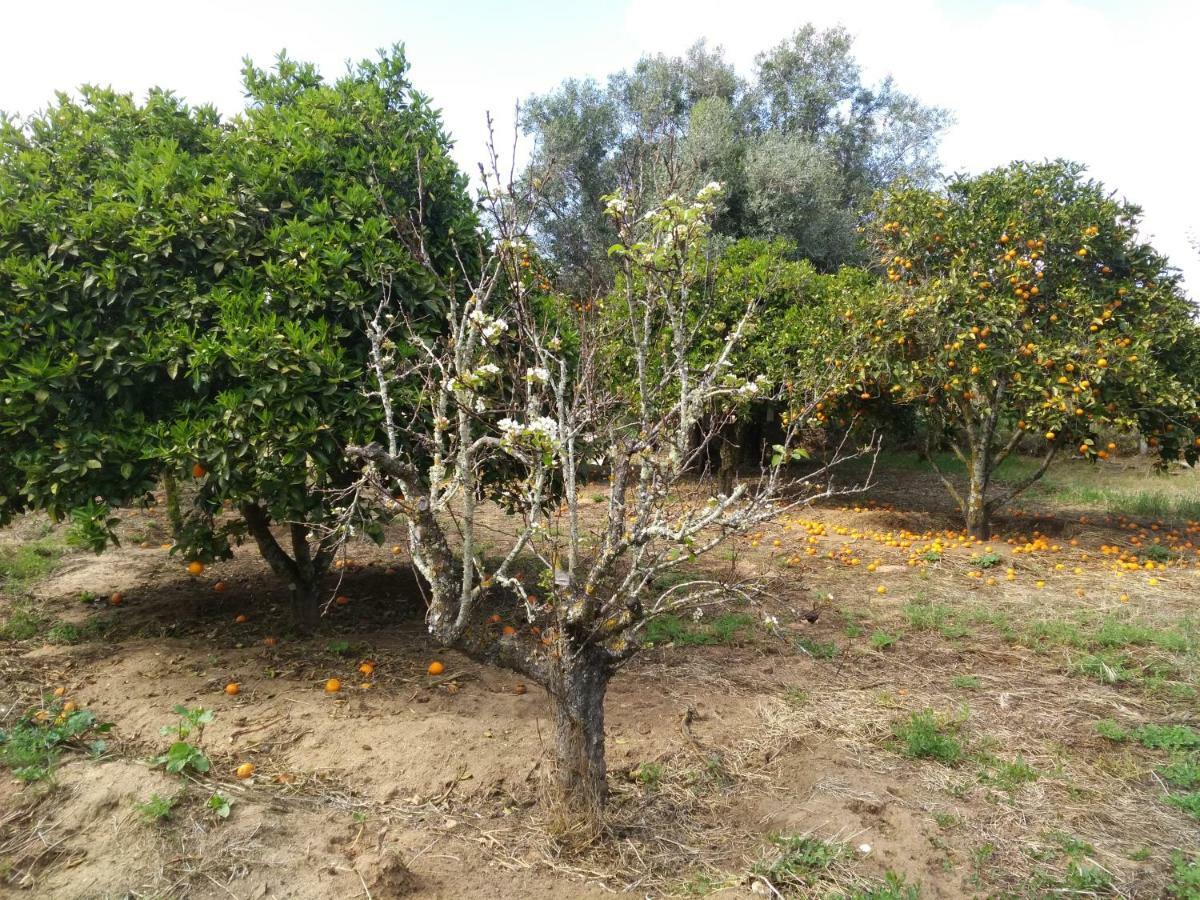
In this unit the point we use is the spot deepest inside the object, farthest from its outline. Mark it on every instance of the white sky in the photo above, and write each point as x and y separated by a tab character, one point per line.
1109	83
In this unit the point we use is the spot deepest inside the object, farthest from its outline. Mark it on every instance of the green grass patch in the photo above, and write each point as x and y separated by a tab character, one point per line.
965	682
23	566
881	640
817	649
671	629
924	736
1185	877
800	862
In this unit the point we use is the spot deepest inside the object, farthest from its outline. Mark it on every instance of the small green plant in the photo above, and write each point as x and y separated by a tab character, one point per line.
338	648
965	682
1185	877
1167	737
219	805
987	560
922	736
182	754
1009	775
157	808
881	640
1109	729
671	629
23	622
1189	803
1109	668
359	816
1183	771
1159	554
648	775
894	887
598	498
800	861
33	745
795	696
817	649
946	820
932	556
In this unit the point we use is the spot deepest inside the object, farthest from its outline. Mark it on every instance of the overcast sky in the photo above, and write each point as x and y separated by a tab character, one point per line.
1111	83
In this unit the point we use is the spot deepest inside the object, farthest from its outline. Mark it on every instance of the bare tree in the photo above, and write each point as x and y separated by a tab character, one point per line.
526	392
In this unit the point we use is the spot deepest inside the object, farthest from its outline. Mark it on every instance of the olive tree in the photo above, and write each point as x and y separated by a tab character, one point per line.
1021	306
540	389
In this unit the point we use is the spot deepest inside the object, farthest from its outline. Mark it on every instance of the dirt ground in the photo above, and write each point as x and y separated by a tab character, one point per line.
402	785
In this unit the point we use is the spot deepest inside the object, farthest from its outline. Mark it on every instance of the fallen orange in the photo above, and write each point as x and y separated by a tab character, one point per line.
245	770
436	668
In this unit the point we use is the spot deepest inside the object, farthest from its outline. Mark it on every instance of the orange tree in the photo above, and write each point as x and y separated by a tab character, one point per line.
1020	304
182	296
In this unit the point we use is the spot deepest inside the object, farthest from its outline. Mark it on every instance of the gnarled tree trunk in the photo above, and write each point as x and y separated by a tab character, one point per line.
578	685
302	571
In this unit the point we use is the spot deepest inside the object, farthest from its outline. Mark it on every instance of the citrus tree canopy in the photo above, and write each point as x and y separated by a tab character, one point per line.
1021	304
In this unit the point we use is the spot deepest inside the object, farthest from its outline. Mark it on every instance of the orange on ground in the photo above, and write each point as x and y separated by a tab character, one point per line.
195	567
233	688
341	599
519	688
508	629
332	686
436	668
241	619
219	586
270	641
367	668
116	598
245	770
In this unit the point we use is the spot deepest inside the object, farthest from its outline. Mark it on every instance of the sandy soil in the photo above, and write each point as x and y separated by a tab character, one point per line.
404	786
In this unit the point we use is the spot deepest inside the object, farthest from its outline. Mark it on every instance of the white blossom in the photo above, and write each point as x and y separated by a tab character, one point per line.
539	374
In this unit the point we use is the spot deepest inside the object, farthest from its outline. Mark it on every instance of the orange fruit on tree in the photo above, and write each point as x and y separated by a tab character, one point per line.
195	567
245	770
198	471
436	668
233	689
332	686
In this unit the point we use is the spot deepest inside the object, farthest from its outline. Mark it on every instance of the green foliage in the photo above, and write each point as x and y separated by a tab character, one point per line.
671	629
648	775
1189	803
924	736
32	746
881	640
157	808
177	290
1183	771
1185	877
987	560
182	754
965	682
894	887
219	805
799	146
817	649
26	564
800	861
1020	302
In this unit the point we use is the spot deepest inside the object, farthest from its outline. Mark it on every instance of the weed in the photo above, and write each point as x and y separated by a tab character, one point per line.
671	629
1167	737
1189	803
894	887
965	682
32	747
801	860
157	808
1182	772
648	775
1109	668
817	649
23	622
795	696
1185	878
881	640
23	566
987	560
946	820
1009	775
182	754
219	805
922	736
1109	729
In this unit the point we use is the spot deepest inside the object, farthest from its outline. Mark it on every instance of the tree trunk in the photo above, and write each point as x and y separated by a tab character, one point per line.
577	693
306	605
303	574
731	455
979	523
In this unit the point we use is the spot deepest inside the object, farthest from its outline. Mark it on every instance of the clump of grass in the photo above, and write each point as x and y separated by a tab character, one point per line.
157	808
817	649
1183	771
23	622
881	640
1152	736
965	682
671	629
1189	802
801	861
1008	776
923	736
25	565
1185	877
